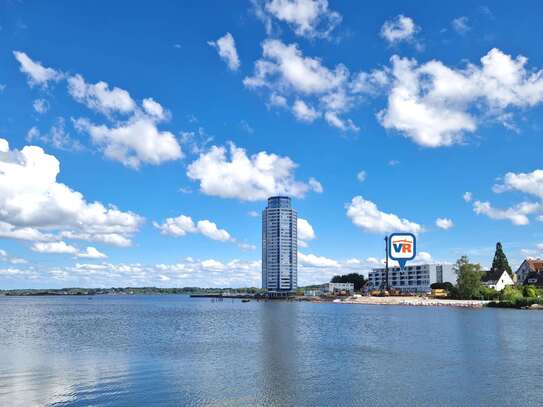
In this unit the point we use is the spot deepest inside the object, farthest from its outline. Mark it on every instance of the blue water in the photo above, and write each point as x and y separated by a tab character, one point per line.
173	350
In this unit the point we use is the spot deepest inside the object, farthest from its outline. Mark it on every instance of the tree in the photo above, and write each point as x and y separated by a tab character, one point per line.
357	279
469	278
500	263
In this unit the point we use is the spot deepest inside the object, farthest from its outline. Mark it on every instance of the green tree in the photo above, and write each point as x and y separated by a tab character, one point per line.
468	279
500	263
357	279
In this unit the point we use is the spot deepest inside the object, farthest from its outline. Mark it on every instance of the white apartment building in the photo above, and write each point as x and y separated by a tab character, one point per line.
331	288
412	279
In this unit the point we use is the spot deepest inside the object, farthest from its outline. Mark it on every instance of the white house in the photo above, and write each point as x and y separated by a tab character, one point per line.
497	280
528	266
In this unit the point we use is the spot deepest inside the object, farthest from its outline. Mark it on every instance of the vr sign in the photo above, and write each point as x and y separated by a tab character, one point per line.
402	247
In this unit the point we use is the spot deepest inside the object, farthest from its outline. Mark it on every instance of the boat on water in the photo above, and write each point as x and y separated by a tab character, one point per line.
245	300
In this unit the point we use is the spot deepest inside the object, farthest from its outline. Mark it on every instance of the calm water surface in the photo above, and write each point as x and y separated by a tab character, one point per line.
173	350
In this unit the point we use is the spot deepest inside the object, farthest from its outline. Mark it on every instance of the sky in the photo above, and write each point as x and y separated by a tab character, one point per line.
138	145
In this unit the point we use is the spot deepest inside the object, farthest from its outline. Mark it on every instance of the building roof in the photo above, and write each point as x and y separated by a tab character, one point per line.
491	275
534	264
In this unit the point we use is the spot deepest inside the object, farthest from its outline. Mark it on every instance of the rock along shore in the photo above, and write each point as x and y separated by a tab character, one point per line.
415	301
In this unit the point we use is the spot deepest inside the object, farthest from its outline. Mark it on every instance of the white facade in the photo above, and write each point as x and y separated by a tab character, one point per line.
279	246
330	288
413	279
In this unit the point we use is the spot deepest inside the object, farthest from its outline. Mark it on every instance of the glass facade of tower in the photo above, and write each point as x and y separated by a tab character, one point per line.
279	246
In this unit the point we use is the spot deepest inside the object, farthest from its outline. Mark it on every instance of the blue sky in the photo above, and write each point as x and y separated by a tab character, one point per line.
141	141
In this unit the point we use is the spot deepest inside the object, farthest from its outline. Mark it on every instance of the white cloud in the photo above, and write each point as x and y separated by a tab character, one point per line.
461	25
315	185
155	109
36	73
54	247
305	232
226	47
435	105
335	121
40	105
253	214
530	183
284	66
361	176
317	90
210	230
247	247
248	178
133	142
99	97
32	201
278	100
304	112
178	226
57	137
308	18
468	196
183	225
518	214
399	29
444	223
316	261
368	217
91	253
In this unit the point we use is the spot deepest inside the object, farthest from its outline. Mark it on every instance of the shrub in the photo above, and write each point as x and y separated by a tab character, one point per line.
529	291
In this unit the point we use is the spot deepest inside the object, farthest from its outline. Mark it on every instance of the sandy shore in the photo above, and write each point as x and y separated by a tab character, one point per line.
415	301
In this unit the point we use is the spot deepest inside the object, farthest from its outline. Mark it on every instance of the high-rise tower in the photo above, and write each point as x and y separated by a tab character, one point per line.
279	246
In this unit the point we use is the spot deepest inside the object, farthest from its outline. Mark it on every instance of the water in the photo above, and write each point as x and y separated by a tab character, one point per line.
173	350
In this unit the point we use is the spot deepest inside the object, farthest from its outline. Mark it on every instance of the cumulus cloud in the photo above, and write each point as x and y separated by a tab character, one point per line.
367	216
304	112
133	142
399	29
226	47
316	261
317	91
233	174
33	204
91	253
99	97
307	18
183	225
468	196
36	73
305	232
436	105
444	223
530	183
518	214
54	247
